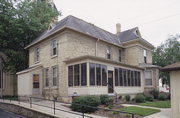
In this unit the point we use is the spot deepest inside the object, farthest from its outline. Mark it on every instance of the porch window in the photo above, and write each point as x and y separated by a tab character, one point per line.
148	78
54	75
104	75
120	77
98	74
132	78
54	47
108	52
125	77
92	73
129	77
46	77
135	77
77	75
83	74
37	55
139	79
116	77
35	81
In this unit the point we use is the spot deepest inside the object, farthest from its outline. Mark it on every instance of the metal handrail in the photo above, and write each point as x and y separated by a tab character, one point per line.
55	108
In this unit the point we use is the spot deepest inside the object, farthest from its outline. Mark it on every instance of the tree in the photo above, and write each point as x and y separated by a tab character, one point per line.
20	23
167	53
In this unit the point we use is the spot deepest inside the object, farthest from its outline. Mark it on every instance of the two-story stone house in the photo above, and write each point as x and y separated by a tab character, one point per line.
78	58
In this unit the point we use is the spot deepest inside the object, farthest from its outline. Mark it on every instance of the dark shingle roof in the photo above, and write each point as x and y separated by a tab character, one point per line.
81	26
172	67
90	29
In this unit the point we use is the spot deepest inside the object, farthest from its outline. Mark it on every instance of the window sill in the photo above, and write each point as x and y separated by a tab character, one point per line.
54	87
149	86
36	62
53	56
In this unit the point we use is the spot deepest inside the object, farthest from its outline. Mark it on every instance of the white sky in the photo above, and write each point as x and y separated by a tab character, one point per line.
156	19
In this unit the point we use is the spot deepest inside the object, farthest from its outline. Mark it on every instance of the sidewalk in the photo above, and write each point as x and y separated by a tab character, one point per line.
50	111
165	112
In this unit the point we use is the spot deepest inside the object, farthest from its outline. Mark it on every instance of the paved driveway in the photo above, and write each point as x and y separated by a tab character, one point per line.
6	114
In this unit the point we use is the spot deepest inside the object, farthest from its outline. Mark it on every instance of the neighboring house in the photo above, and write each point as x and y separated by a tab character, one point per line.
8	81
78	58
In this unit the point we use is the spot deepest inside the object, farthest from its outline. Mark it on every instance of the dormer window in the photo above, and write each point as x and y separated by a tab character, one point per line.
37	55
54	47
145	56
108	52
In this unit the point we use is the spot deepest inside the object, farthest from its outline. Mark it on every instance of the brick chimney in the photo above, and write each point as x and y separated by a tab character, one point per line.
118	28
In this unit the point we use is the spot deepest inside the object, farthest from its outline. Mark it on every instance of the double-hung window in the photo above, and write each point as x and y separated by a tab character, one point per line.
54	47
54	75
145	56
148	78
120	55
108	52
36	55
46	77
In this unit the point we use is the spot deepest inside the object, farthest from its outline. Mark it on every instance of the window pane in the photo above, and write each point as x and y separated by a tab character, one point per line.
54	76
121	77
148	82
92	73
148	78
125	77
139	79
108	52
104	75
70	75
132	78
129	77
83	74
76	75
116	77
135	77
47	77
98	74
54	47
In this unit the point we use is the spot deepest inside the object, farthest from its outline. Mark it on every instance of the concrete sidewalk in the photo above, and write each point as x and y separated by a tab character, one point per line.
50	111
165	112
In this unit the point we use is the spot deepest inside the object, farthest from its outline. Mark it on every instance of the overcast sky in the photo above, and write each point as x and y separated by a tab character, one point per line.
156	19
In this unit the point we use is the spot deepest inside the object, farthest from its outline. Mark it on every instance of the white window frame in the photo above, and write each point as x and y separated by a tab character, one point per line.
54	75
37	55
148	78
54	46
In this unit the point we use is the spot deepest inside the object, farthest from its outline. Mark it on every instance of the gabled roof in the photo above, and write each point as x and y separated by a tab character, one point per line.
84	27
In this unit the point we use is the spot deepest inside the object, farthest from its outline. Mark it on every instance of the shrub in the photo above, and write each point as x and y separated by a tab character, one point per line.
140	98
149	97
162	96
104	99
155	93
93	101
127	98
110	106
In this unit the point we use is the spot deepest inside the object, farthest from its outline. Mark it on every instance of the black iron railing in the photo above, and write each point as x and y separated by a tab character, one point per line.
29	100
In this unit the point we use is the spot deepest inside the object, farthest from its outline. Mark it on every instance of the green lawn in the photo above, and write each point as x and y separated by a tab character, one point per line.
139	110
159	104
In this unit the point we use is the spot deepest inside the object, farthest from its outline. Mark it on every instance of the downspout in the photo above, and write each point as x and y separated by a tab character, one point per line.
96	47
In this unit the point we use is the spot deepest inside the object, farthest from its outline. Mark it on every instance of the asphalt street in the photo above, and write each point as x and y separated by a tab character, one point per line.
6	114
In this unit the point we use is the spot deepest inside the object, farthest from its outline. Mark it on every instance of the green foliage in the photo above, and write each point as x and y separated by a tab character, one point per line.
167	53
21	23
110	106
155	93
93	101
139	98
127	98
148	97
159	104
104	99
139	110
162	96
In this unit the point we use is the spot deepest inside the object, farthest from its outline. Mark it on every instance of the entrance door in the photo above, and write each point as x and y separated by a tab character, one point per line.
110	82
36	84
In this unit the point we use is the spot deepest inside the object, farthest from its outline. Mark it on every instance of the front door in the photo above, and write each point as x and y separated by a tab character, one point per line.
36	84
110	82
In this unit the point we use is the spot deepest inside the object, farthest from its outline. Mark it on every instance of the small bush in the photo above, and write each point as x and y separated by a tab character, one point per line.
140	98
104	99
127	98
110	106
155	93
149	97
162	96
93	101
